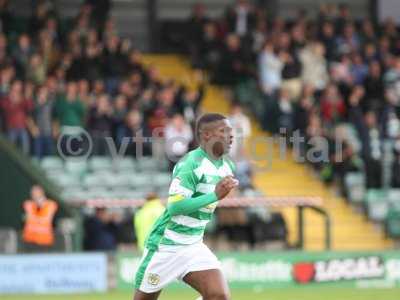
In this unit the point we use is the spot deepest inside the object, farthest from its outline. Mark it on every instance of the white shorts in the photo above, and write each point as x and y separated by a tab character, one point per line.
159	268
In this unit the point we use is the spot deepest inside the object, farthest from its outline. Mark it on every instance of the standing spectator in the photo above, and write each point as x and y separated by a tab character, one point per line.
100	11
333	108
370	135
241	18
314	66
16	110
188	103
69	110
100	125
37	69
41	127
374	88
233	64
22	54
270	70
146	217
178	136
38	233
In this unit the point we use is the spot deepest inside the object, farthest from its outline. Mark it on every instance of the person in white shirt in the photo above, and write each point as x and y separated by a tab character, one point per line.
242	130
178	135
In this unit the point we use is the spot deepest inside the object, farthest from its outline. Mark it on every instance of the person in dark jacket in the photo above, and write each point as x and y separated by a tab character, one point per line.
100	232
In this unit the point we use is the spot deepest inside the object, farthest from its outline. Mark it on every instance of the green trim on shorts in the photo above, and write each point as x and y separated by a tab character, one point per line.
142	268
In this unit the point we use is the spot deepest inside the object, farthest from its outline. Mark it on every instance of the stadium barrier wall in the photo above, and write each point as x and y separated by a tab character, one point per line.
53	273
259	270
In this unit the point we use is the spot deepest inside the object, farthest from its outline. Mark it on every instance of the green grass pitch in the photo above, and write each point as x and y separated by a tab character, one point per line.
302	293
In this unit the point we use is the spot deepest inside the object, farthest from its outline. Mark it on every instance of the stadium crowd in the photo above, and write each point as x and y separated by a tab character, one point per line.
57	76
87	76
332	76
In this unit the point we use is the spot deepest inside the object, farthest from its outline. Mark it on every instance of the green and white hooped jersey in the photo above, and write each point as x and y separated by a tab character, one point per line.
194	175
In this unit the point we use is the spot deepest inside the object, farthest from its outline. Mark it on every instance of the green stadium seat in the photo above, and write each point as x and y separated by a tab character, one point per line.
94	180
99	192
161	179
116	180
73	194
355	186
377	204
148	164
66	180
51	163
97	163
392	223
125	164
76	166
138	180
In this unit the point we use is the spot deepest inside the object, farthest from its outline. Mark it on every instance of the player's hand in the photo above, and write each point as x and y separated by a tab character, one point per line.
225	185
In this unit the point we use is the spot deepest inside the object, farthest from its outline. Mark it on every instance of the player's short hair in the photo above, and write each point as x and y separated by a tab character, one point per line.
205	119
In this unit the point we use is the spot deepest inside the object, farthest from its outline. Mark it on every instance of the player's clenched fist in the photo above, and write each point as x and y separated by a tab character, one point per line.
225	185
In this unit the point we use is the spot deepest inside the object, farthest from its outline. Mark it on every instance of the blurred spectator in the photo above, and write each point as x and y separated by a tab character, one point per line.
38	233
332	106
100	231
69	110
37	69
188	103
370	134
314	66
42	127
100	125
22	53
241	130
17	110
145	218
270	68
178	136
232	66
374	88
241	18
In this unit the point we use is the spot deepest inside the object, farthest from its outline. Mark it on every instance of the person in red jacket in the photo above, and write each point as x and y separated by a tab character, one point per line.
16	109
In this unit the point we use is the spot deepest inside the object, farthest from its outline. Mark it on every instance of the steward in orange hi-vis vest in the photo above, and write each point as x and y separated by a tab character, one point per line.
39	213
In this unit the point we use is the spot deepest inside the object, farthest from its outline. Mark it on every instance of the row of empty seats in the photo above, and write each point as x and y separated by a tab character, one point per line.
103	177
380	205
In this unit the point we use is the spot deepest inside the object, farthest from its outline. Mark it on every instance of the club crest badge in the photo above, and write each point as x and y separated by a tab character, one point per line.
153	279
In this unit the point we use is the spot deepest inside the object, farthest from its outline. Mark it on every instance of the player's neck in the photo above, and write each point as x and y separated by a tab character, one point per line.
210	154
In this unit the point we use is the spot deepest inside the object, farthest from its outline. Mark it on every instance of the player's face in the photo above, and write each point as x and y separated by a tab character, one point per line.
221	137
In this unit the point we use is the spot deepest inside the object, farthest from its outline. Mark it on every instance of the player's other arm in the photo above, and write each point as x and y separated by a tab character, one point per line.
179	204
